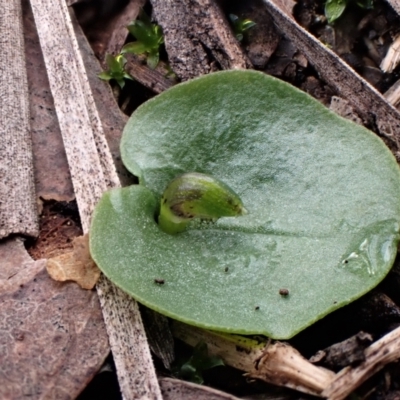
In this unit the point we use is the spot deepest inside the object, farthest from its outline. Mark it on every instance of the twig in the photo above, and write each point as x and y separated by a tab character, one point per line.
153	79
277	363
380	353
392	58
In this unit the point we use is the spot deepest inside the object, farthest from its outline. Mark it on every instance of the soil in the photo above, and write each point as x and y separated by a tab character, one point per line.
59	224
361	37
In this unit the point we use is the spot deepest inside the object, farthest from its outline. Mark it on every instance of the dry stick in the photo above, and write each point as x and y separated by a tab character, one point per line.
282	365
380	353
392	95
388	64
277	363
18	210
197	37
368	102
392	58
92	173
153	79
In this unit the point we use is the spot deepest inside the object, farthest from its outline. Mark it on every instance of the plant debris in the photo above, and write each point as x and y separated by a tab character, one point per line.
76	265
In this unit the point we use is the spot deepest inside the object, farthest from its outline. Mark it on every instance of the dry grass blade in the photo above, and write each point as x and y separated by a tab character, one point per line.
18	212
92	172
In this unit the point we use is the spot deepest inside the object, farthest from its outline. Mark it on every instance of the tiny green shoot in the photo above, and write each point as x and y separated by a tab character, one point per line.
192	369
194	195
149	38
335	8
115	70
240	26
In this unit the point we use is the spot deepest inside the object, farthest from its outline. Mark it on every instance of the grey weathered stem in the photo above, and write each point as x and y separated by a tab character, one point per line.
18	211
92	172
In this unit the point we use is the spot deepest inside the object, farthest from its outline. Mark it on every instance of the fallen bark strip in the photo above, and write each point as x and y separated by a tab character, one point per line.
197	37
18	210
277	363
92	173
368	102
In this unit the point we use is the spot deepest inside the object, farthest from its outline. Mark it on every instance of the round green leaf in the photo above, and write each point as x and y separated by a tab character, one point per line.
322	194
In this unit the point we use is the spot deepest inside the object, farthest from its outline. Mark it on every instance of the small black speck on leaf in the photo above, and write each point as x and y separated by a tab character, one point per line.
283	292
257	308
159	281
226	269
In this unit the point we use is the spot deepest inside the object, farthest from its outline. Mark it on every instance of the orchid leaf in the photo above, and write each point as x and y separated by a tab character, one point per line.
322	194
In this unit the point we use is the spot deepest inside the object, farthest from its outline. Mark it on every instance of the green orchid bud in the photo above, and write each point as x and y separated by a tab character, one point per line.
194	195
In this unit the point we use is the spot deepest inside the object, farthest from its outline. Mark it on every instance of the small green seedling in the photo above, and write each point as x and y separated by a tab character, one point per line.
240	26
149	38
194	195
335	8
192	369
116	70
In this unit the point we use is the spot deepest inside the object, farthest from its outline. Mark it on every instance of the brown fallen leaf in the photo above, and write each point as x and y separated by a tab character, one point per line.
76	265
53	338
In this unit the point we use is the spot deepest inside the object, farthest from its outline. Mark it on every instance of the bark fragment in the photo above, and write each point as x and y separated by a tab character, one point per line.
348	352
197	37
